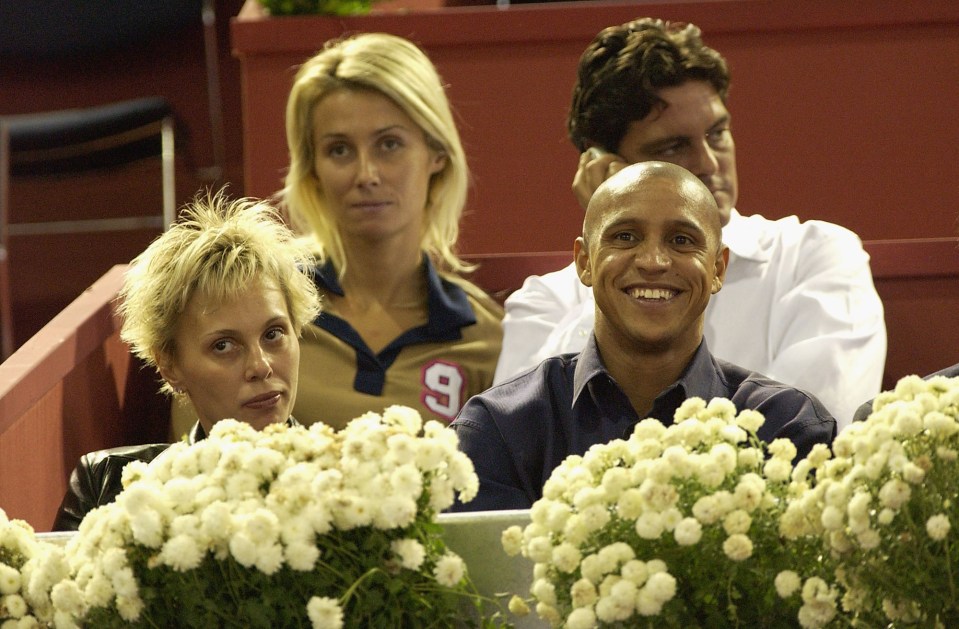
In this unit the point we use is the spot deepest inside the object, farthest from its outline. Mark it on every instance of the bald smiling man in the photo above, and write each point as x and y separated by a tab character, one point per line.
652	254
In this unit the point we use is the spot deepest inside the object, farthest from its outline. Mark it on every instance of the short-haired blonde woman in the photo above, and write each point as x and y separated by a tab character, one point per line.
216	304
378	178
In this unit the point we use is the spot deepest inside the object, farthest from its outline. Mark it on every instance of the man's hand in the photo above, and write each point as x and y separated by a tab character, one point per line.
595	167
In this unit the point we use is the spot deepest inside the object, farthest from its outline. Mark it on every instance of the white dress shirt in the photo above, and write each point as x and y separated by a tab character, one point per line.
798	305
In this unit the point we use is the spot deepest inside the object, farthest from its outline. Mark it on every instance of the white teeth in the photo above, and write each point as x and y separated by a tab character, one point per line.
651	293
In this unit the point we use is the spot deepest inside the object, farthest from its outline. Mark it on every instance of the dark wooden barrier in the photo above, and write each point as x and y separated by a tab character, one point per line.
842	111
72	388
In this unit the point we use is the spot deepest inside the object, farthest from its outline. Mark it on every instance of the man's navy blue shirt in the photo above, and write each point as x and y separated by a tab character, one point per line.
518	432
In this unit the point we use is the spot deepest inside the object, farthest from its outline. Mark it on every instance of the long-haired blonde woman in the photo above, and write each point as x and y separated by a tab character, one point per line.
378	178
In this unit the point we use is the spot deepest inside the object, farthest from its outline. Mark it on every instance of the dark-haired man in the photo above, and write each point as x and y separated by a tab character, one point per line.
799	303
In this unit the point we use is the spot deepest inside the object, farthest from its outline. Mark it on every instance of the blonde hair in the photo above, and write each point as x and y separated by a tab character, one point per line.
217	248
399	70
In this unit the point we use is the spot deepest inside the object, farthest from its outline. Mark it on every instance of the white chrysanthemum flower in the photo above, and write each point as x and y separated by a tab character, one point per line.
512	540
832	518
66	596
912	473
394	512
429	454
782	448
9	579
617	553
583	593
548	613
593	568
688	532
449	570
724	456
556	515
581	618
940	425
649	525
324	613
129	607
738	547
98	591
894	493
407	479
858	508
658	496
566	557
352	511
661	586
410	553
615	481
707	509
819	603
840	542
301	555
722	408
750	458
243	549
691	407
403	417
539	549
147	528
181	553
868	538
593	518
124	583
733	434
787	583
517	606
576	531
647	604
636	571
708	474
750	420
737	521
778	470
938	527
14	607
651	429
544	591
610	609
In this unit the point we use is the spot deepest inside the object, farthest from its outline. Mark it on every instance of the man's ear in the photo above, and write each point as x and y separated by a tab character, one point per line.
722	261
583	265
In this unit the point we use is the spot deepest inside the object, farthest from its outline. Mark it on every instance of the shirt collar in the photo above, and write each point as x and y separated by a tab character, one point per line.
589	365
448	306
746	237
699	379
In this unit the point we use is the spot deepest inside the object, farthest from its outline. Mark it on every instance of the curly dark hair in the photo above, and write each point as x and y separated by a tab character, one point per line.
624	67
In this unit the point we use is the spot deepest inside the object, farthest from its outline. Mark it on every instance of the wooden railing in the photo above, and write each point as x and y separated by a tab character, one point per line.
74	387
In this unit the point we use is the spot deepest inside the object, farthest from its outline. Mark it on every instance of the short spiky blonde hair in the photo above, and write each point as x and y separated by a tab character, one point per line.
217	247
399	70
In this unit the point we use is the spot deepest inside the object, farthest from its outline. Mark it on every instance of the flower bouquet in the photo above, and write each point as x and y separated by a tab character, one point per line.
675	527
28	568
884	505
288	527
